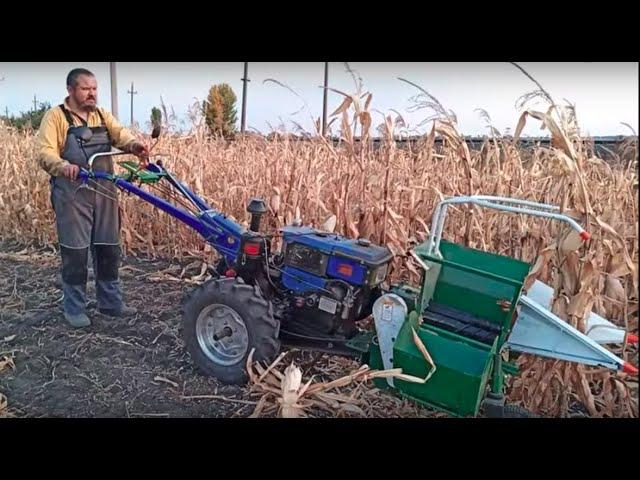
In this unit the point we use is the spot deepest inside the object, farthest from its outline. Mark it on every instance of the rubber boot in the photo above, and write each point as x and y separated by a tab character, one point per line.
123	311
77	321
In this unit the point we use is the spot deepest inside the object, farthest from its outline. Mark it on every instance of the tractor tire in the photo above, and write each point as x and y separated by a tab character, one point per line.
244	317
516	411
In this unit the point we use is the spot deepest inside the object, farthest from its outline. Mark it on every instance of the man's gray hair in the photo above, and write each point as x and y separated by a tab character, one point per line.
72	78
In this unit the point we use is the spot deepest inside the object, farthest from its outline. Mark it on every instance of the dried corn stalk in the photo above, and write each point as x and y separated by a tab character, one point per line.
578	273
390	193
3	405
292	397
6	363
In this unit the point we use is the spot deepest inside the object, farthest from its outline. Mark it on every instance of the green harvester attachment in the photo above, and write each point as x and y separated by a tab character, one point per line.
463	313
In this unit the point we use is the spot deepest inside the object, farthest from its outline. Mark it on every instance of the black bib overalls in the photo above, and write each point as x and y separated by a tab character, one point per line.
87	219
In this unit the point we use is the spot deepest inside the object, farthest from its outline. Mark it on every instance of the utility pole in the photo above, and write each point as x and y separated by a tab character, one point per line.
35	103
6	109
132	92
324	101
244	79
114	89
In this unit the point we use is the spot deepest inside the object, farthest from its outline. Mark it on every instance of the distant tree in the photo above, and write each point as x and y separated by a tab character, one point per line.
220	111
156	117
29	120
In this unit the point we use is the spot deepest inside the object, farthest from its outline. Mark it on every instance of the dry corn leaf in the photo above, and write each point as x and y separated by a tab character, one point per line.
537	268
350	408
6	363
568	164
337	398
614	288
570	273
607	396
521	124
585	392
621	388
344	106
269	378
275	203
365	121
619	268
632	267
340	382
260	407
390	373
158	378
588	274
609	229
560	306
394	215
270	368
352	229
571	242
3	404
329	224
550	174
580	305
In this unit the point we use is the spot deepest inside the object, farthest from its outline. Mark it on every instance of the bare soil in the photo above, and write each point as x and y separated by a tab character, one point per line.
135	367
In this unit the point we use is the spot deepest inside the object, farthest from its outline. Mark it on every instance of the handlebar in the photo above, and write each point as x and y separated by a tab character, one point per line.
512	205
104	154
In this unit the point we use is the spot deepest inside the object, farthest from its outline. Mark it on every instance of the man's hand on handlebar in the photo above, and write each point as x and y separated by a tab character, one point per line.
70	171
140	151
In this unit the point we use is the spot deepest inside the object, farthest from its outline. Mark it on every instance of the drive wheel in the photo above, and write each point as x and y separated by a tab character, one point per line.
223	320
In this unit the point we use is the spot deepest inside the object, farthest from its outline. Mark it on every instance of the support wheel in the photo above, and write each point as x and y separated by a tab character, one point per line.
494	406
516	411
223	320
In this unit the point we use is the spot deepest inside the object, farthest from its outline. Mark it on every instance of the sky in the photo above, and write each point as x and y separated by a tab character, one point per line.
605	94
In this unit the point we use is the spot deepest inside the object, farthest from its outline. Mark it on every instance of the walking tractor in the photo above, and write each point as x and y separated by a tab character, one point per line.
452	336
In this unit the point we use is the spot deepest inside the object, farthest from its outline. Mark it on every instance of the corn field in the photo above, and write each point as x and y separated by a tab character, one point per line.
388	194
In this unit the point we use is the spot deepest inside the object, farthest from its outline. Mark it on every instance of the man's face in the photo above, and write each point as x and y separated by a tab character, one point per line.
85	93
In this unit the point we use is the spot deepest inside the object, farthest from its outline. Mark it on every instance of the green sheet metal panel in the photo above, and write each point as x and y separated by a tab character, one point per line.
474	281
486	261
462	368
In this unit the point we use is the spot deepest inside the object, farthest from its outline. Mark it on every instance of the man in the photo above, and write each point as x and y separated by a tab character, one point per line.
86	213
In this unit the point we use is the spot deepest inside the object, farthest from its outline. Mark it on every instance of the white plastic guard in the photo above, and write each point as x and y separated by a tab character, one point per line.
389	313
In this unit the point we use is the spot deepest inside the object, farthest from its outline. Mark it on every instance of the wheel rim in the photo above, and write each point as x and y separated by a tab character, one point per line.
222	334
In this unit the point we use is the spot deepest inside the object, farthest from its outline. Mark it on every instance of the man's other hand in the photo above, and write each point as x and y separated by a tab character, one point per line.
70	171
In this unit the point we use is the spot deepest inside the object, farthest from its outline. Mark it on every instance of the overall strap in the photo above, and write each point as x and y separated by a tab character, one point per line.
101	117
67	114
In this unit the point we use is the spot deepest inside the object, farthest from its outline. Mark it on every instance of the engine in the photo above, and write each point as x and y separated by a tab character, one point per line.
331	281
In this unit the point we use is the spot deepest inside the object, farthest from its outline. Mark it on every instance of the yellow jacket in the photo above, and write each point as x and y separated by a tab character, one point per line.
52	136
